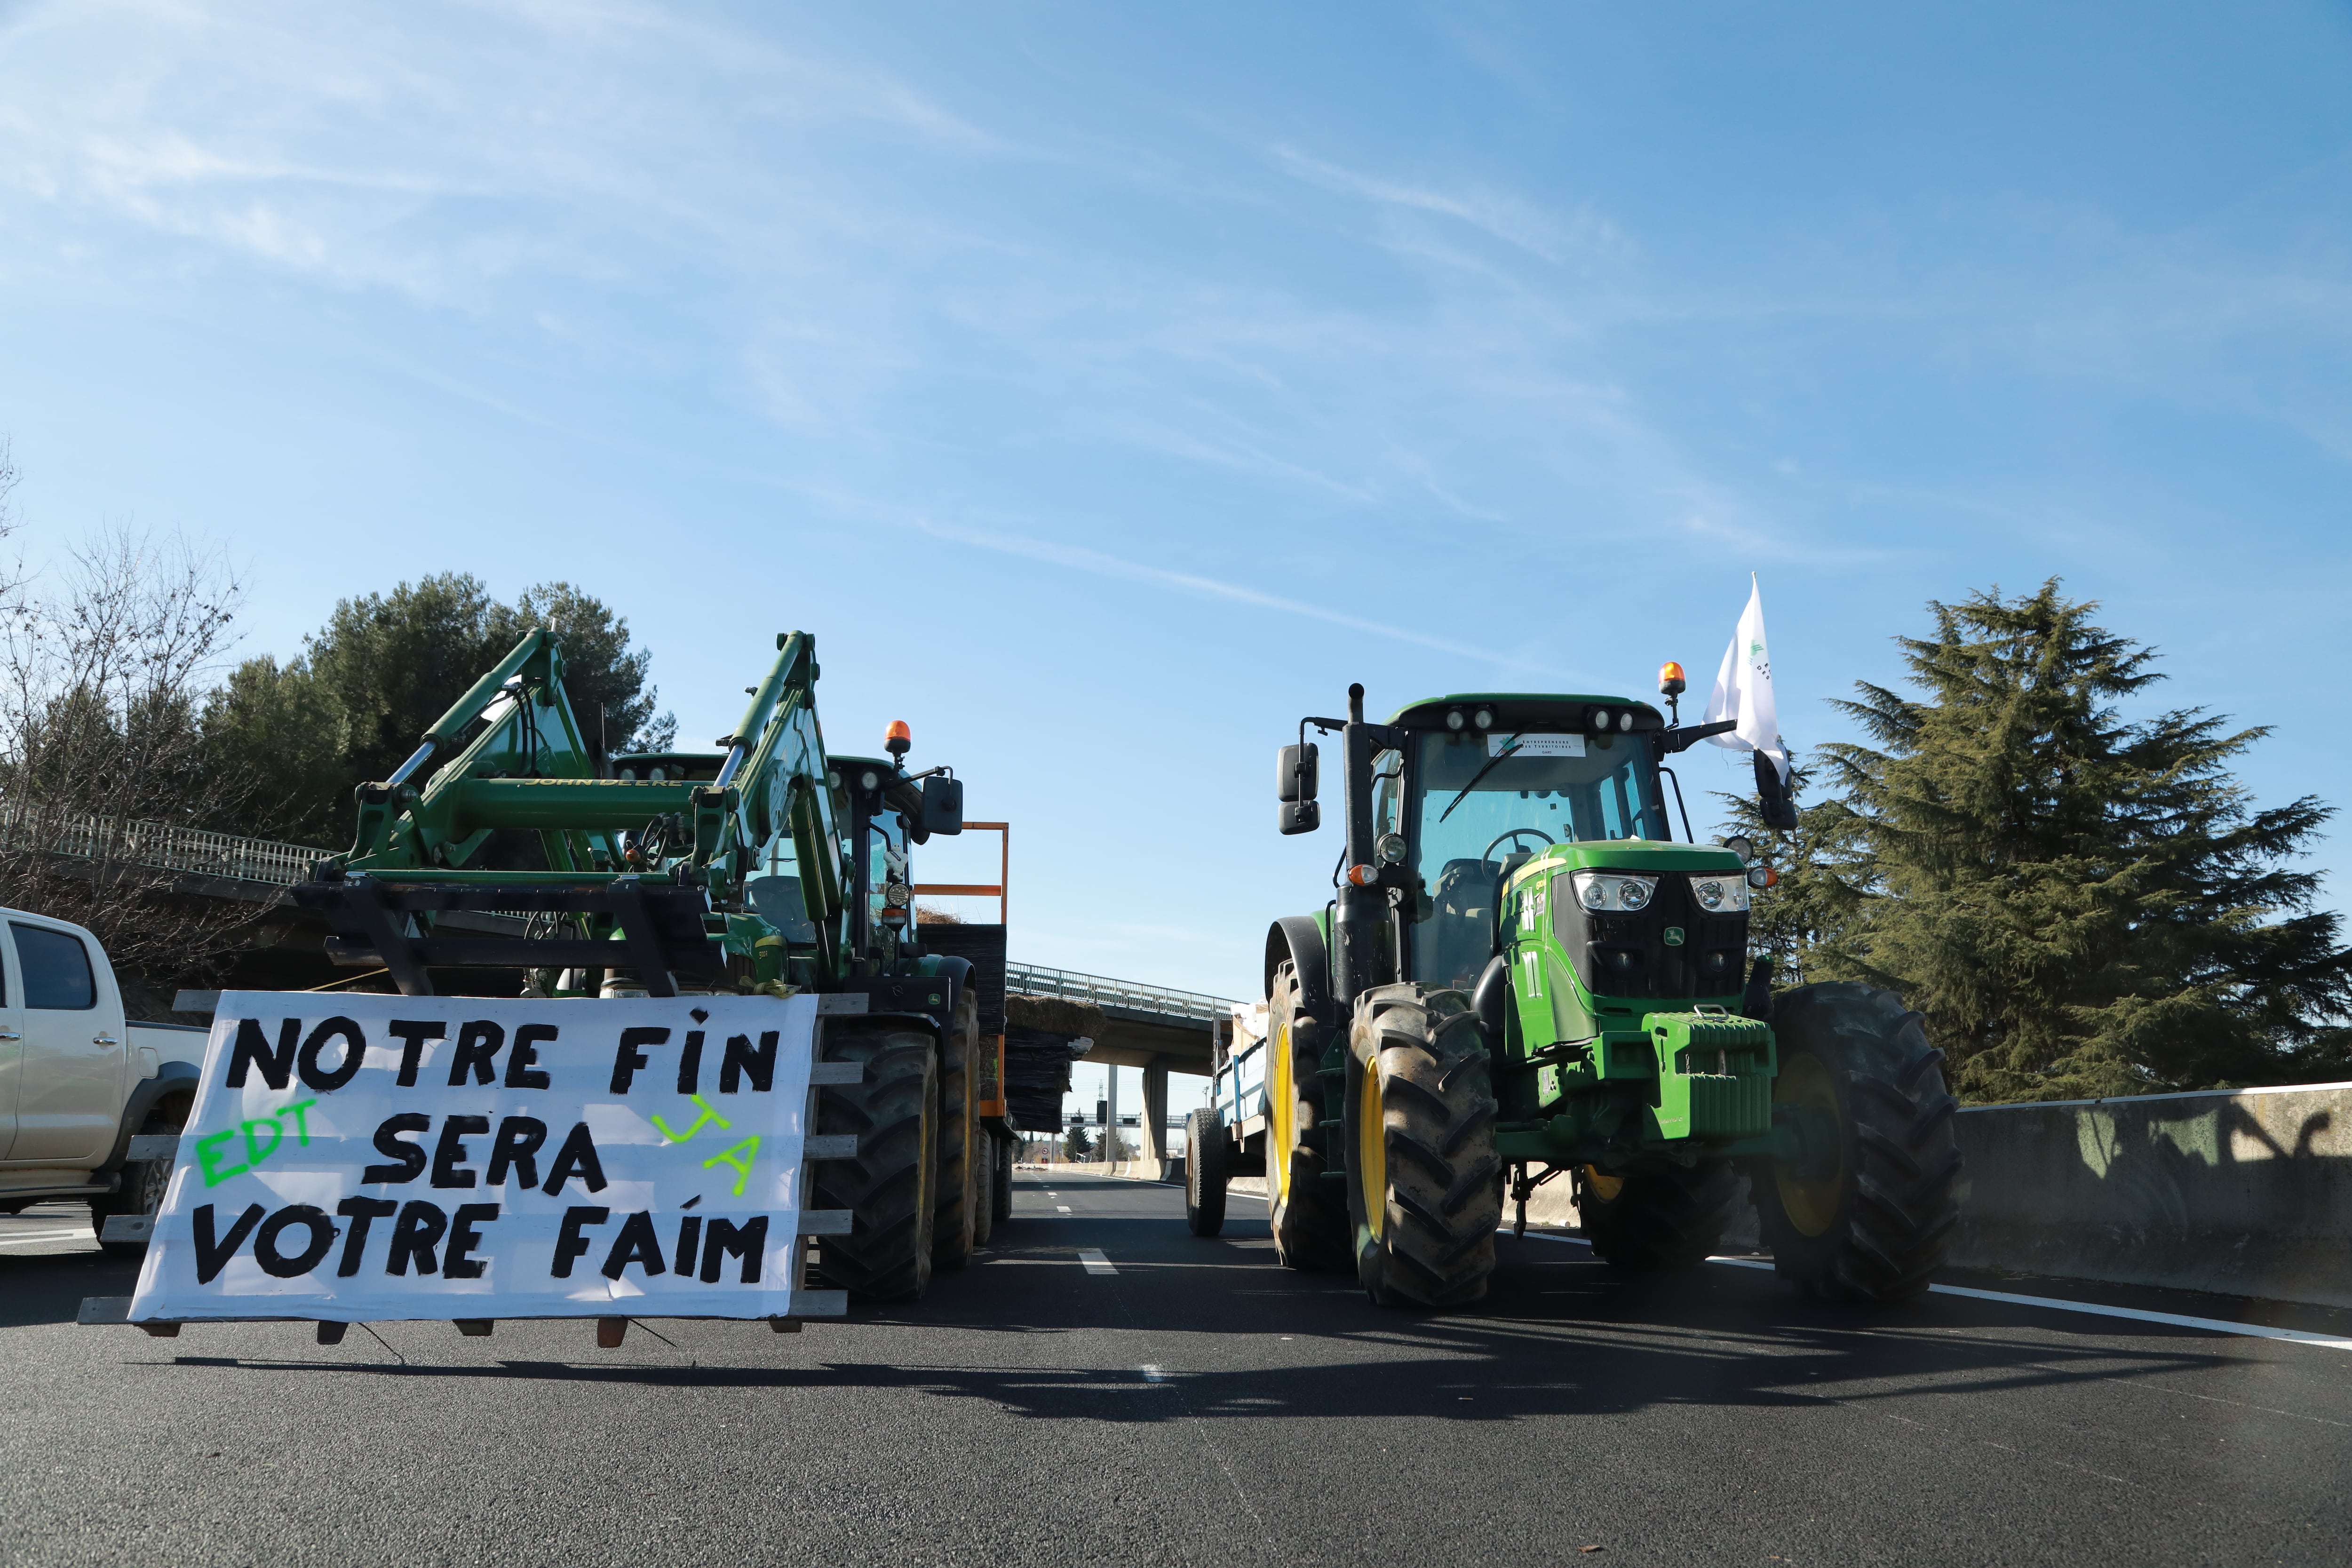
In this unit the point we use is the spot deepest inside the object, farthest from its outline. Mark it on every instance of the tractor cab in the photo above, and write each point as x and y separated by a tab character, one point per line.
1481	785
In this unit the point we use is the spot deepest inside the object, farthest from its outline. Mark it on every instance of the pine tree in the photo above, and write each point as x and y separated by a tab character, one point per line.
2080	904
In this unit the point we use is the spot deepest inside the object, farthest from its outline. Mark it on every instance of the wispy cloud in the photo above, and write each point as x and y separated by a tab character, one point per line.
1556	237
1097	563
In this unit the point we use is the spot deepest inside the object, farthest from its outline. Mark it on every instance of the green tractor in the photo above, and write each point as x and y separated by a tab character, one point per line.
1523	973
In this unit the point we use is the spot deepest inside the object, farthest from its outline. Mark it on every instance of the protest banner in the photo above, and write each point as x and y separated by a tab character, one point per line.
357	1158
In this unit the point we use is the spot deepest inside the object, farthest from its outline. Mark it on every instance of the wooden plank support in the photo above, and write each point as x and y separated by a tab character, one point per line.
829	1147
827	1222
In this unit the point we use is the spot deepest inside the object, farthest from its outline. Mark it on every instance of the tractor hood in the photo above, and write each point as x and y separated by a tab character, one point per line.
1646	854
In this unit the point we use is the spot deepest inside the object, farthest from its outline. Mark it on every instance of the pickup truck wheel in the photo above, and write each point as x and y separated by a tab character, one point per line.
144	1182
1204	1172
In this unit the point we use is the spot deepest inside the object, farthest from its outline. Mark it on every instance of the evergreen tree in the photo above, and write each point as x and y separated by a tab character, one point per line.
352	707
2080	904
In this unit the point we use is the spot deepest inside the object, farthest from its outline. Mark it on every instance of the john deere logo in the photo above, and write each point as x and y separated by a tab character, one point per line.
1674	936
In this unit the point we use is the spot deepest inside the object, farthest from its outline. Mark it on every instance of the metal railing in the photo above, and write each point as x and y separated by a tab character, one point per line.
161	846
1036	980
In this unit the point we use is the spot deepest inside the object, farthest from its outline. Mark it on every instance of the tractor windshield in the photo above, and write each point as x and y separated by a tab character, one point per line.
1478	797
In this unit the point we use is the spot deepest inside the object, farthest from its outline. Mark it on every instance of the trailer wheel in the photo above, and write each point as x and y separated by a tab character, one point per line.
1421	1165
1876	1228
1001	1194
145	1182
1204	1172
1308	1219
1657	1220
888	1186
983	1187
954	1230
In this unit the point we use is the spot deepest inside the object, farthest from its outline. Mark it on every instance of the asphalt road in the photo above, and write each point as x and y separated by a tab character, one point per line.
1180	1401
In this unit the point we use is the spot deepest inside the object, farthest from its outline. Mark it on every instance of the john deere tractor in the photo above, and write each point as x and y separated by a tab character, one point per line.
1523	973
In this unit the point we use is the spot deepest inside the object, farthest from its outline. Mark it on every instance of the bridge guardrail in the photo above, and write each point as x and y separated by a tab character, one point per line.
1036	980
161	846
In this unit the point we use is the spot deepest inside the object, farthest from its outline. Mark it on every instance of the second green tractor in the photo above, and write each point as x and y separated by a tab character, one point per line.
1523	974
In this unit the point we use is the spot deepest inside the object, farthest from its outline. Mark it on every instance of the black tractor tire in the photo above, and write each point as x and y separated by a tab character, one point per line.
1204	1172
984	1195
145	1182
955	1229
1879	1228
888	1186
1421	1162
1657	1220
1001	1193
1308	1216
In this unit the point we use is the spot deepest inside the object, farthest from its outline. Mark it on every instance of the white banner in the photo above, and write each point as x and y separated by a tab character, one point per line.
365	1158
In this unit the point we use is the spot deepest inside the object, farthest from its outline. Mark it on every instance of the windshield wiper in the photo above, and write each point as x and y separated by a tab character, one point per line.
1481	773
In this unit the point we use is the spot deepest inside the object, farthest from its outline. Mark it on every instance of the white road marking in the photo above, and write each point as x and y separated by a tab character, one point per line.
2059	1304
1061	1208
1151	1374
48	1236
1095	1261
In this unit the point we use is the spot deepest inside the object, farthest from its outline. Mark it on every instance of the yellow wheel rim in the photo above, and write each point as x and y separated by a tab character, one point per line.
1280	1116
1812	1206
1373	1153
1602	1184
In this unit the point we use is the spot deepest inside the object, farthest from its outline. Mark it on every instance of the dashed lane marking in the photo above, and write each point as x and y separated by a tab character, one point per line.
48	1236
1095	1261
2058	1304
1061	1208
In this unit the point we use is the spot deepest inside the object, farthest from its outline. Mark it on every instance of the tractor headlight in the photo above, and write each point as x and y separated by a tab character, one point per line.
1723	895
898	895
1608	892
1390	848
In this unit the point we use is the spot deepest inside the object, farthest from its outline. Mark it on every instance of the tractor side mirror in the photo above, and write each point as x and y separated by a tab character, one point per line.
1294	769
1301	817
1773	802
942	805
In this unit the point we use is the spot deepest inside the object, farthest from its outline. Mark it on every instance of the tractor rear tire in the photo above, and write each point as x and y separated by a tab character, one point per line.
1878	1230
1658	1220
1204	1172
955	1228
1422	1167
983	1197
999	1195
888	1186
1308	1216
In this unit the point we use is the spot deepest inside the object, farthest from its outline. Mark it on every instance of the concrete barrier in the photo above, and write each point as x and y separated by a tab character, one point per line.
2245	1193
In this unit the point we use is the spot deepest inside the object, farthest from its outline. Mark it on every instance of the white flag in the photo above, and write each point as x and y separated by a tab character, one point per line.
1743	688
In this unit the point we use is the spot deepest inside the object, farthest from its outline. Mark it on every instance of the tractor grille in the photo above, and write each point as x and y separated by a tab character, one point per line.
1629	955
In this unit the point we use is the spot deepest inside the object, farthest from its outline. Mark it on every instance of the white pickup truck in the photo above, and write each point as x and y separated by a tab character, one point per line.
90	1104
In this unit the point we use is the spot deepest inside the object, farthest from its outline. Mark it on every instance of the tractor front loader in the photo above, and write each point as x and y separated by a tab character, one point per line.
1522	973
766	867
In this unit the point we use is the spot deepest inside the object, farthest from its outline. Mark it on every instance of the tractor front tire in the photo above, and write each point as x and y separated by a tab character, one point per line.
1422	1167
1878	1229
888	1186
1308	1218
1204	1172
955	1228
1657	1220
999	1195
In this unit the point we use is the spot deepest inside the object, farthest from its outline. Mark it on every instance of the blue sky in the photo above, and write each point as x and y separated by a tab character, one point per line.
1107	386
